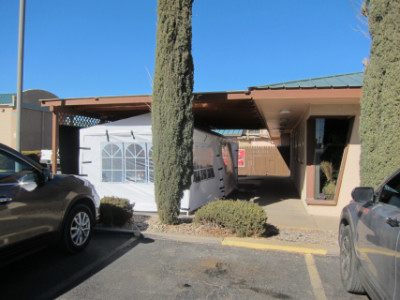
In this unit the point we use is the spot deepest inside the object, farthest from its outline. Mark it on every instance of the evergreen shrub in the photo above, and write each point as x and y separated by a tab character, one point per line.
242	217
115	211
34	155
171	108
380	100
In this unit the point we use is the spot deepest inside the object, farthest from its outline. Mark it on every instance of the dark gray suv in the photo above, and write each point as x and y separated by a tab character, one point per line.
38	208
369	240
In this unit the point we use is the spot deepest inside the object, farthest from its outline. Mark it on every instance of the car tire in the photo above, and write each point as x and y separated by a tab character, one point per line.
348	270
77	231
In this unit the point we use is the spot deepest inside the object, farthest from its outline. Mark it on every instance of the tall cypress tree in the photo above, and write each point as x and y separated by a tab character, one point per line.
172	115
380	102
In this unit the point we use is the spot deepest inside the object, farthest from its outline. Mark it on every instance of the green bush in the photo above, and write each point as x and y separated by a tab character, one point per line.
34	155
242	217
115	211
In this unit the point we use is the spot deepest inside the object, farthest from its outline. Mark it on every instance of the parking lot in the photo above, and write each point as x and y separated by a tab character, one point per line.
119	266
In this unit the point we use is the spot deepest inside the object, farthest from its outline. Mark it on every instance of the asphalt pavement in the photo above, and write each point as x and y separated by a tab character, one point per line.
122	266
166	269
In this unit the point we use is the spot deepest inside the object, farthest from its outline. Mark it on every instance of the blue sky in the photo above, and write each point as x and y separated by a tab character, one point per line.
83	48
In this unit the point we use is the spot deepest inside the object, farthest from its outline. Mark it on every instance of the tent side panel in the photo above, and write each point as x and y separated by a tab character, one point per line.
215	174
90	163
215	162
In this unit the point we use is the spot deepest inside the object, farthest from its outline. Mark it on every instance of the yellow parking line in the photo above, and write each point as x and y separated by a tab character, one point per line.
316	283
273	245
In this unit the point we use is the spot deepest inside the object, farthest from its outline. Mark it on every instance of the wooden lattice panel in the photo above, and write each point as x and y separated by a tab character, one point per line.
74	120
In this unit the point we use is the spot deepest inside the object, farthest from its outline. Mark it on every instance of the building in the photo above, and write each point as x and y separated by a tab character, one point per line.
36	126
313	122
317	120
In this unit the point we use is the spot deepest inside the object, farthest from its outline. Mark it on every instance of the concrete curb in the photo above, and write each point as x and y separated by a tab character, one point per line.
252	243
133	230
184	238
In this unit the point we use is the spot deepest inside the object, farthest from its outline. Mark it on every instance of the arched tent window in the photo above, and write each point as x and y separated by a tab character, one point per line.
112	168
135	163
150	163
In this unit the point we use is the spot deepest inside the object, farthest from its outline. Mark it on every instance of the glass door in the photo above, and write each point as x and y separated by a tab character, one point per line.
330	139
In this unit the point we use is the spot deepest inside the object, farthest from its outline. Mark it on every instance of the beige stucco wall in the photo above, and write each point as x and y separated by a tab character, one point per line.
351	173
36	122
7	125
298	156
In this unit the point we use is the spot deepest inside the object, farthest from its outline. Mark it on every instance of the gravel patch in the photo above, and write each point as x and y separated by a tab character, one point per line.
149	223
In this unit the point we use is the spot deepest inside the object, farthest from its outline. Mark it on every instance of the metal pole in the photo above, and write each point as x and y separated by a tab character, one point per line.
20	72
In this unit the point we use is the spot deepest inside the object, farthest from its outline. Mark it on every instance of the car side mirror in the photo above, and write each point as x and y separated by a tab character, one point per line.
43	176
363	194
48	174
28	182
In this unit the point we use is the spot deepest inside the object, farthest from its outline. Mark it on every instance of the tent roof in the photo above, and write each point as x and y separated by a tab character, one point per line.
133	125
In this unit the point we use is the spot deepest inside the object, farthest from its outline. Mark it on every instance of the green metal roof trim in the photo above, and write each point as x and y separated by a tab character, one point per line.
228	131
6	99
351	80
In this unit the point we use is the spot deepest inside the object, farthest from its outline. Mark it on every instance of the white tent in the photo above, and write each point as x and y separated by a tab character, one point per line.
117	159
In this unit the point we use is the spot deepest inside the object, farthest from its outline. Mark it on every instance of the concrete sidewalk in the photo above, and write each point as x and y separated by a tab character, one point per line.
279	198
291	213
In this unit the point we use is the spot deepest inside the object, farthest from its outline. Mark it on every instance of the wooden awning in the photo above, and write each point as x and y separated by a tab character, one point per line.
220	110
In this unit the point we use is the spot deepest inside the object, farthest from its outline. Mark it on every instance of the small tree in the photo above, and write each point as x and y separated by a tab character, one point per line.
380	102
172	116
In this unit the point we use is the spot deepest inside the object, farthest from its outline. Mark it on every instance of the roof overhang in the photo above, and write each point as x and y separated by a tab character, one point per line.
221	110
283	108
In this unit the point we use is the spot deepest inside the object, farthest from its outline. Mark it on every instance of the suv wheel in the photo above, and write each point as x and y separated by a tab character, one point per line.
348	271
77	230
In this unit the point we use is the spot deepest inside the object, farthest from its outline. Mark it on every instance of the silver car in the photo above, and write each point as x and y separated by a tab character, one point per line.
369	238
38	208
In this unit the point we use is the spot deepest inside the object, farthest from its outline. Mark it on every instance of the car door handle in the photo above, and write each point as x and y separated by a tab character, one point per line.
5	199
393	222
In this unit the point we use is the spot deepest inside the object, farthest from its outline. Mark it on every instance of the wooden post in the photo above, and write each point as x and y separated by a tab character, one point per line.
54	141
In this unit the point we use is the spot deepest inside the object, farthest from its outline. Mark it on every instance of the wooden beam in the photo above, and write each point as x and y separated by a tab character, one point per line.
301	94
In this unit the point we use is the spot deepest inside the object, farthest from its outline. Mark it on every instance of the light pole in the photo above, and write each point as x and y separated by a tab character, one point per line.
20	72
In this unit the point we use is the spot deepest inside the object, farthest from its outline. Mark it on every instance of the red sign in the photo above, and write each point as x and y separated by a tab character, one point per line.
241	157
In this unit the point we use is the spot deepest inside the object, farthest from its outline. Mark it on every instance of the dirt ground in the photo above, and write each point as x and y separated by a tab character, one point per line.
149	222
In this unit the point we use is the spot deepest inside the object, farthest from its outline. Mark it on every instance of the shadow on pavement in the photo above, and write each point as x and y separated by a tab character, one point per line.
265	190
50	273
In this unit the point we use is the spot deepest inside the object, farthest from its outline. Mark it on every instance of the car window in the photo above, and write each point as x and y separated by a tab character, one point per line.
11	165
391	192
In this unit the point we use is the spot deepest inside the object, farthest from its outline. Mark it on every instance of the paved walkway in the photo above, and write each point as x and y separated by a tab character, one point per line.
280	200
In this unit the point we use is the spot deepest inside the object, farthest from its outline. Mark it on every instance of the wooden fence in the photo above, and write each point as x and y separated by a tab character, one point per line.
261	160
